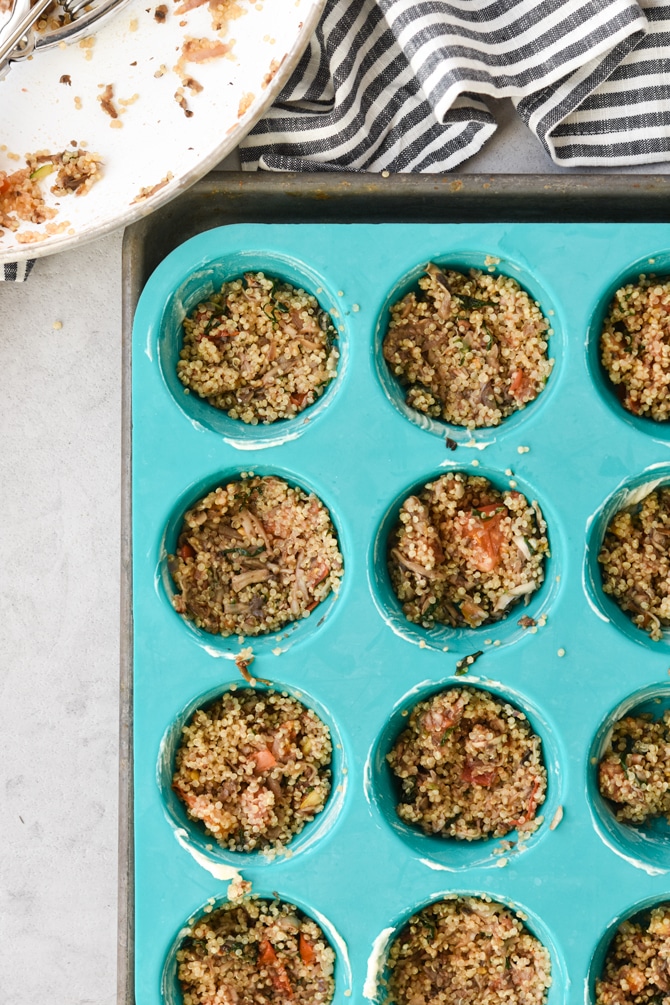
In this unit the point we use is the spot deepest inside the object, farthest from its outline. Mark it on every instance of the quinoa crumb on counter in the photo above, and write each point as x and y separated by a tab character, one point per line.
260	349
254	555
636	965
469	767
634	771
635	346
464	553
470	349
254	767
258	952
469	951
635	561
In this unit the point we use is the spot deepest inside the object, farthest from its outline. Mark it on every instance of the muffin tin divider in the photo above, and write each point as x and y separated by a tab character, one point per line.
359	455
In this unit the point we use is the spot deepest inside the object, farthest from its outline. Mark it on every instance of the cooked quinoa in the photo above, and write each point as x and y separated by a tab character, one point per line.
635	560
635	346
636	965
468	951
21	196
260	349
254	767
463	553
254	555
469	767
257	952
470	349
634	772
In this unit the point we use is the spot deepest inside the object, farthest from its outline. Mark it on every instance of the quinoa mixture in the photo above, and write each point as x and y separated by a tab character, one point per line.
463	553
634	772
635	346
636	970
467	951
470	349
469	767
254	555
257	952
260	350
635	560
21	196
254	767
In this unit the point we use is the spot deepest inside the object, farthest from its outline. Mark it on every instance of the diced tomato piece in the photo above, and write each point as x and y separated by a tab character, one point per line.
186	551
486	541
267	954
476	774
307	953
268	958
517	381
264	759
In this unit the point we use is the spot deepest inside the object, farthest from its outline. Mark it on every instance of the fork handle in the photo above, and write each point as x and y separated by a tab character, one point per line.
15	30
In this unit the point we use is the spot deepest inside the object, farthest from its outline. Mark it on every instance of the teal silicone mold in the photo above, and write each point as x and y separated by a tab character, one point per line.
362	452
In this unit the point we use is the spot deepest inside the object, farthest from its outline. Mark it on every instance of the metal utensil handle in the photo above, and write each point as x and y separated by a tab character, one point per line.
19	29
80	24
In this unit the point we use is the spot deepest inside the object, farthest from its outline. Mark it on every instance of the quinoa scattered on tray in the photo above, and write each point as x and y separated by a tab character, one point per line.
470	349
463	553
635	346
254	767
636	965
260	350
634	772
635	560
258	952
468	951
254	555
469	767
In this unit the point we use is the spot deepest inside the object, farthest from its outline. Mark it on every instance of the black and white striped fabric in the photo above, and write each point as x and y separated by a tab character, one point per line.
16	272
401	85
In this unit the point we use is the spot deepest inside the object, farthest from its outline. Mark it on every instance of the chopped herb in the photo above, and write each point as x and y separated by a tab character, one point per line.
464	665
487	516
446	734
471	303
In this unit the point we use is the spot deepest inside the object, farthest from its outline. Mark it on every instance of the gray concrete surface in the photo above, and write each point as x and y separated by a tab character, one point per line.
59	631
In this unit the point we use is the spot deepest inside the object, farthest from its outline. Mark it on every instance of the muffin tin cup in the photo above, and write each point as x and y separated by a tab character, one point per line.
445	638
658	263
569	667
628	913
630	492
646	846
445	853
378	971
165	340
463	261
229	646
170	990
192	834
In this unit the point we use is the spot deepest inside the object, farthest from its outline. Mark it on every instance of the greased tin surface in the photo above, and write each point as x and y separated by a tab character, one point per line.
356	869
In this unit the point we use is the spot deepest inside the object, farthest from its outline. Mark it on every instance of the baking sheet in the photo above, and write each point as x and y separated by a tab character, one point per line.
568	698
165	134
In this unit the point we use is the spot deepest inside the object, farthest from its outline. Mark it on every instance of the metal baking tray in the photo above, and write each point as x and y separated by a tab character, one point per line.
227	199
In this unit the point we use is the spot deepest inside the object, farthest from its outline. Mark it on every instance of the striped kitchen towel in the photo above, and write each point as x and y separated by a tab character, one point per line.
401	85
16	272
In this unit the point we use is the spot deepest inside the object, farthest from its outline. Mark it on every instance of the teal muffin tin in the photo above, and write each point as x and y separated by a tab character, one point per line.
357	870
